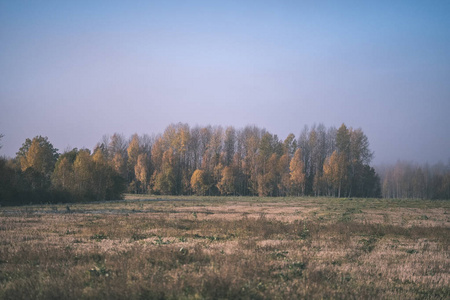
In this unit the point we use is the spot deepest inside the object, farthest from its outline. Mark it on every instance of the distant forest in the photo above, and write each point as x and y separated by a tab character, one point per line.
214	161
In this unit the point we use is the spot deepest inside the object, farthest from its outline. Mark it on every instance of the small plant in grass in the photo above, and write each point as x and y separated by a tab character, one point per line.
347	216
159	241
213	238
368	244
299	265
99	236
280	254
412	251
138	236
99	271
336	262
98	258
304	234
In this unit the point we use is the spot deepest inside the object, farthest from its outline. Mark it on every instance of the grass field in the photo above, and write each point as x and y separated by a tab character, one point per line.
234	248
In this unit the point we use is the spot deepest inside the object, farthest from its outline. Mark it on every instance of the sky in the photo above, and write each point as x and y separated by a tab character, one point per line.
76	70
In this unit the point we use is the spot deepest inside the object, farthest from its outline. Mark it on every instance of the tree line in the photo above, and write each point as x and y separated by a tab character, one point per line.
249	161
411	180
200	160
39	174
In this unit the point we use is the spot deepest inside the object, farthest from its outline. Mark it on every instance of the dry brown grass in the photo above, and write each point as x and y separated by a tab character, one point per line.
227	248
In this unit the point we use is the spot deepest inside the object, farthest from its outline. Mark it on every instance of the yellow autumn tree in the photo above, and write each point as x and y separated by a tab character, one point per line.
199	182
267	181
335	171
118	163
227	184
37	160
93	178
141	172
283	170
117	154
164	179
101	174
133	154
297	173
83	168
62	176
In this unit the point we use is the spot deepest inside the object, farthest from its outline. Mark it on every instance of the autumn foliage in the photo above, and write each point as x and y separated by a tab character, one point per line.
40	175
207	161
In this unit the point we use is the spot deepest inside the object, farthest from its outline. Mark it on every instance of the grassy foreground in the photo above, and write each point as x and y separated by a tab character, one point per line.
232	248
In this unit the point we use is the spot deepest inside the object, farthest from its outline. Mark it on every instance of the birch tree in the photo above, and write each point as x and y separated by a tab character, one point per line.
297	173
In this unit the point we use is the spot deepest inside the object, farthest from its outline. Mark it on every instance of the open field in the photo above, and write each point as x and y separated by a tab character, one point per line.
210	248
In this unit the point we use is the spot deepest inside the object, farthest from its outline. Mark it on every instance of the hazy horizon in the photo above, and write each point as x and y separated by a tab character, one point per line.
76	71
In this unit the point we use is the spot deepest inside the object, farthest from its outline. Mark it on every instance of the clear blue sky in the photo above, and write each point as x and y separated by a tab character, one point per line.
76	70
